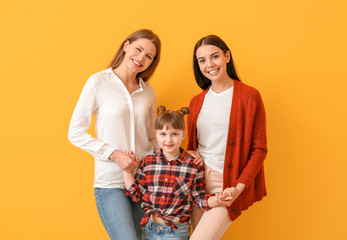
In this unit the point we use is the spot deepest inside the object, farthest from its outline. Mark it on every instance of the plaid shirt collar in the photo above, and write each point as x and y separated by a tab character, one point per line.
181	158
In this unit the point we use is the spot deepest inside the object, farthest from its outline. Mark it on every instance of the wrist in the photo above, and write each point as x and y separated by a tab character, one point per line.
212	201
114	155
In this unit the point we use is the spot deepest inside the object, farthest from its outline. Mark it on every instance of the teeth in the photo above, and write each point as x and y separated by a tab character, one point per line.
213	71
138	64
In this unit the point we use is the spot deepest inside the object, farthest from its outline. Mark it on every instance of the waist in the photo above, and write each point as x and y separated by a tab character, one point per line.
159	220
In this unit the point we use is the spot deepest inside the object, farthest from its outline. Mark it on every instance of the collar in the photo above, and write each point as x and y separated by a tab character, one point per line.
181	158
109	71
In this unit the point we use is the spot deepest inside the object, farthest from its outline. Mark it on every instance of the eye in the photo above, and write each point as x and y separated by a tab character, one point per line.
149	57
201	61
138	49
215	57
175	134
162	134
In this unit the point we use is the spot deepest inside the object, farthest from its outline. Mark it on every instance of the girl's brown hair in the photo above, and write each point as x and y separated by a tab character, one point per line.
172	118
140	34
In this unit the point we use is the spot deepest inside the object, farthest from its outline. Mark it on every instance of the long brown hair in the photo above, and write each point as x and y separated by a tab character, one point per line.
214	40
139	34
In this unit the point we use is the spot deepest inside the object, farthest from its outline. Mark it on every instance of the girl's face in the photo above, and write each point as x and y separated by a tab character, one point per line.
212	62
170	140
139	54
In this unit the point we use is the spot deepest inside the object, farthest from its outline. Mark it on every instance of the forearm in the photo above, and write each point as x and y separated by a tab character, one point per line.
129	179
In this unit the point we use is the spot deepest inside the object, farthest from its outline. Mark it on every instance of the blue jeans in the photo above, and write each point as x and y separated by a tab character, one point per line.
121	217
154	231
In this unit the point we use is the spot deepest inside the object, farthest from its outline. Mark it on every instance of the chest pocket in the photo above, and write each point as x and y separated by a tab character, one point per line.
181	187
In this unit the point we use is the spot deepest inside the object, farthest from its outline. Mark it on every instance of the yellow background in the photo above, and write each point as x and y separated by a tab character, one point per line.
294	52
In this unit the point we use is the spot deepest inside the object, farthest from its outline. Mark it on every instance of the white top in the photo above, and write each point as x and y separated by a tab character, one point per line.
212	127
123	121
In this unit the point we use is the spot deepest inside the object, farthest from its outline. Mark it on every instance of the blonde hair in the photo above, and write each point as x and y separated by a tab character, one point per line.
172	118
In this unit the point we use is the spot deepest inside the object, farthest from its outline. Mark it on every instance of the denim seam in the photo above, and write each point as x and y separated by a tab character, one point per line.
103	217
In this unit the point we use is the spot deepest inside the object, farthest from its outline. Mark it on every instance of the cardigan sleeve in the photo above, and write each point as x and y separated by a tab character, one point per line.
258	148
189	126
80	123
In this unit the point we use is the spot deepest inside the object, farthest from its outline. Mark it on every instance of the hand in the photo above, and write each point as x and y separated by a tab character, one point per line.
128	153
125	162
227	197
198	159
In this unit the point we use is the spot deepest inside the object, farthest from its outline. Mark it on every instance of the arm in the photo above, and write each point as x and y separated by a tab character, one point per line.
258	148
151	131
80	123
201	199
135	187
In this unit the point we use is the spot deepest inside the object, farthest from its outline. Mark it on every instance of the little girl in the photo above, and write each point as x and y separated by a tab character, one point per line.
169	182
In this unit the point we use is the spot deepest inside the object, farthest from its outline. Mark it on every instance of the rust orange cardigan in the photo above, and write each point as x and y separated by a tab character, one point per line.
246	145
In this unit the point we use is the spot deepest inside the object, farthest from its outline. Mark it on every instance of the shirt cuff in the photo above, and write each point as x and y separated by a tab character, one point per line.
108	152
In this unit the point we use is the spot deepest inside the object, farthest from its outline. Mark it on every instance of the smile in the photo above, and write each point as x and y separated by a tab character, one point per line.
213	71
136	63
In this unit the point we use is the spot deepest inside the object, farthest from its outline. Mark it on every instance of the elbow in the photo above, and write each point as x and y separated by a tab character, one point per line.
71	136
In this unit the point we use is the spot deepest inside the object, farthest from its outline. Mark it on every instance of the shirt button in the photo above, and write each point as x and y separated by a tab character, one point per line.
168	163
166	180
229	165
231	143
163	197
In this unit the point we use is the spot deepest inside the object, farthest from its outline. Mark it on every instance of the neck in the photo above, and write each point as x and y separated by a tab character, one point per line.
172	156
125	75
220	86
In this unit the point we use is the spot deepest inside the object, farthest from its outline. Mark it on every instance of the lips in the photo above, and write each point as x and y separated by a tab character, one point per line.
213	71
136	63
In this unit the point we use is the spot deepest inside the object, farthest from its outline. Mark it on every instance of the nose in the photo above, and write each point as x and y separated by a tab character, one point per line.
210	63
168	138
141	56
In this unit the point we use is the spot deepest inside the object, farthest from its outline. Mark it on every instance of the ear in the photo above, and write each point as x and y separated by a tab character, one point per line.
227	55
126	45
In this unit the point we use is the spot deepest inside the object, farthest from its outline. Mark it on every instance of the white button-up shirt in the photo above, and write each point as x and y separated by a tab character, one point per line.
123	121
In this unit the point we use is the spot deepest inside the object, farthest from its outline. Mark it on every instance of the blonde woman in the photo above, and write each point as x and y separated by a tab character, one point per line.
124	106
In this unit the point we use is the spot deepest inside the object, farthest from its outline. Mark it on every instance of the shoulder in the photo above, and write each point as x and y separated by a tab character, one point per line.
148	87
190	161
100	76
248	92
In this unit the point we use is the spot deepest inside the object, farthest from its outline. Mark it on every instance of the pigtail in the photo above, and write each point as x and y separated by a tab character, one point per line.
183	111
173	118
161	109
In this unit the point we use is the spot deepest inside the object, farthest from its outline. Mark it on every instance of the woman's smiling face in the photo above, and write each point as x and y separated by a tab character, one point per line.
139	54
212	62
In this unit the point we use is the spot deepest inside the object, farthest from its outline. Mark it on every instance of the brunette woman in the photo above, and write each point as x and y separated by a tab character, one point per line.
227	127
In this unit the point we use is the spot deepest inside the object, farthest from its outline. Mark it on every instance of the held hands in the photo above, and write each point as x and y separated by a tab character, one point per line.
229	195
126	160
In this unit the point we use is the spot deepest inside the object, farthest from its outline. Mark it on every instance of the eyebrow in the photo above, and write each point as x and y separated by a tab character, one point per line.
211	55
143	49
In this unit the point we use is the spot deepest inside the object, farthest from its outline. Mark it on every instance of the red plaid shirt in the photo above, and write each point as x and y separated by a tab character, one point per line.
168	188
